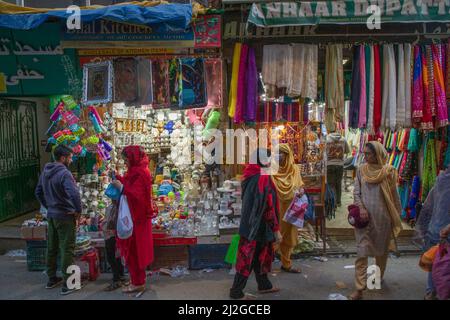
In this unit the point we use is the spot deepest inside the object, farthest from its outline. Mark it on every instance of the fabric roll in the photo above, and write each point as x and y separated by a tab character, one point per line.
389	107
408	76
252	87
234	80
363	96
439	87
401	99
377	89
241	100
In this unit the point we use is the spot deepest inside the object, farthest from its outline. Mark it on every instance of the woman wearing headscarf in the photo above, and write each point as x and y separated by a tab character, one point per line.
136	185
288	183
258	229
433	223
376	195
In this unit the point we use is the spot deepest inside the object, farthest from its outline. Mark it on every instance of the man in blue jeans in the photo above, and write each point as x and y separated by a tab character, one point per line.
59	194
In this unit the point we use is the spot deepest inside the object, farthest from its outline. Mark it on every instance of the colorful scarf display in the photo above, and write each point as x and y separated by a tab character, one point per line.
418	92
377	89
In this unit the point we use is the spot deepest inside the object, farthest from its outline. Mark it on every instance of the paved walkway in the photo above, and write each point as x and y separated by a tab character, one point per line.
404	281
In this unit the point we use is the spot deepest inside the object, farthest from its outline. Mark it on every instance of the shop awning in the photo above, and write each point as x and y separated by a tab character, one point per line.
150	13
279	14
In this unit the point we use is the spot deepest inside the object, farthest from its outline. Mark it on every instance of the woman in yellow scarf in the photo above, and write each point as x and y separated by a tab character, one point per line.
287	182
376	195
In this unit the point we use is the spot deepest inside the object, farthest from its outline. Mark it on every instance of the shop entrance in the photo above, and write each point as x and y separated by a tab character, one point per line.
19	158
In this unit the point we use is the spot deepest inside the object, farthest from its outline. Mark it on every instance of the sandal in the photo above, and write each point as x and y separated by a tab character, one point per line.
133	289
291	270
272	290
357	295
114	286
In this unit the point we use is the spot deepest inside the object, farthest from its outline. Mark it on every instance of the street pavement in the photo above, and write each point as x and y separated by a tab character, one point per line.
404	280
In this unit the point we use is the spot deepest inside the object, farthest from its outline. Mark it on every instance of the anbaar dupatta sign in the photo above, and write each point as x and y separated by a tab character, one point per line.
280	14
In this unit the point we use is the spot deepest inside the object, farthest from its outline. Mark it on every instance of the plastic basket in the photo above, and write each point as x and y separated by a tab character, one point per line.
211	256
36	255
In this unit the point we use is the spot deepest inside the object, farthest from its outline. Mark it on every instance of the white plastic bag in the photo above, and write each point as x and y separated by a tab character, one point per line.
124	220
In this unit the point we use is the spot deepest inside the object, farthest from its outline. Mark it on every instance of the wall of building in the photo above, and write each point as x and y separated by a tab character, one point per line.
43	122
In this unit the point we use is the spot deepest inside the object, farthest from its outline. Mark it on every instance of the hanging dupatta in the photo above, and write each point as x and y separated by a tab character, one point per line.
439	87
401	93
234	80
429	166
427	119
418	92
371	91
356	90
430	66
363	96
377	89
252	88
408	75
414	197
241	85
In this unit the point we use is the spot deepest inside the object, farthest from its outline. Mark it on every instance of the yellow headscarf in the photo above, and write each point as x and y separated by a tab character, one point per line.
288	178
385	175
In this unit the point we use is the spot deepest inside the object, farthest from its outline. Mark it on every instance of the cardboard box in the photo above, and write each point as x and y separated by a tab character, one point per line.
34	233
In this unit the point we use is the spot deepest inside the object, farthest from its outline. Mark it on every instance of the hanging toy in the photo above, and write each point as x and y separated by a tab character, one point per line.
51	129
106	145
77	149
57	113
169	126
77	130
95	113
95	123
69	102
212	123
70	118
91	140
77	111
193	119
83	152
103	153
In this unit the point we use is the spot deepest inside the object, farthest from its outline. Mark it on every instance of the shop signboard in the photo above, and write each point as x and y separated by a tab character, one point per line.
236	29
33	63
112	34
278	14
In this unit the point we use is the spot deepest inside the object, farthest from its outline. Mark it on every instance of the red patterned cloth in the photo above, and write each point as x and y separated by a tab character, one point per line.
247	253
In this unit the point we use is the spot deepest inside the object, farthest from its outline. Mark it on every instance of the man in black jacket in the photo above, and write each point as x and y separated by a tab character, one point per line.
59	194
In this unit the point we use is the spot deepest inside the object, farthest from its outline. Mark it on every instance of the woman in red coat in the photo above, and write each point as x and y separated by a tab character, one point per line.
138	249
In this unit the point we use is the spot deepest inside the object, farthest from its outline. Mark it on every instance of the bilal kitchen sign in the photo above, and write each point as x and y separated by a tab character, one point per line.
102	33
